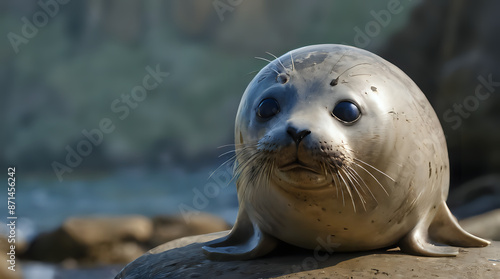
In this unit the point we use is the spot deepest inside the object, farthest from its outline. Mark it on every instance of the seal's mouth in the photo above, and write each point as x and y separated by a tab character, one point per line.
297	166
302	176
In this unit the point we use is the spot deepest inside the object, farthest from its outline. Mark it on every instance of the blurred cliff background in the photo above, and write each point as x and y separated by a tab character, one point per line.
120	107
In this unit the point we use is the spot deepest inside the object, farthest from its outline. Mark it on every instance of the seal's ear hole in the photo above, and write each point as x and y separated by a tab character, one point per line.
268	108
346	112
334	81
282	78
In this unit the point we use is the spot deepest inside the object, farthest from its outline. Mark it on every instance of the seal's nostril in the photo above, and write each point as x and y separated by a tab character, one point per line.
297	135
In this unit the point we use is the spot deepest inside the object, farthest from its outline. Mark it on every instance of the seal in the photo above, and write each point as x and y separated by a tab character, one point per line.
339	150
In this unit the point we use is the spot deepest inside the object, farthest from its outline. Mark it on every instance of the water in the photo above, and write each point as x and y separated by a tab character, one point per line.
42	205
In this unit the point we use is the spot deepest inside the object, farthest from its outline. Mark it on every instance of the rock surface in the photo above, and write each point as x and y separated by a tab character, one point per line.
114	240
183	258
92	239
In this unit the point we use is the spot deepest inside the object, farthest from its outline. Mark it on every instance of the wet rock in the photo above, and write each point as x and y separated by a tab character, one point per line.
183	258
91	231
114	240
93	239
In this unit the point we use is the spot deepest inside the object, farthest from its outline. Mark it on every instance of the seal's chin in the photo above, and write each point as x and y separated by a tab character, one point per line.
302	176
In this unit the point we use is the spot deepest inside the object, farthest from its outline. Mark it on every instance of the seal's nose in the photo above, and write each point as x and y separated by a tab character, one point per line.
297	135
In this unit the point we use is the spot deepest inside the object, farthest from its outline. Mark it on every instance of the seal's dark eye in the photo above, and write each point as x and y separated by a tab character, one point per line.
268	108
346	111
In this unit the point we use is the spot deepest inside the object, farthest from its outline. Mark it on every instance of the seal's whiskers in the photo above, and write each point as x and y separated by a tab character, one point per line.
228	161
355	173
269	61
355	177
334	65
348	170
337	183
275	57
361	161
369	173
227	152
353	185
348	190
231	160
337	186
352	68
262	58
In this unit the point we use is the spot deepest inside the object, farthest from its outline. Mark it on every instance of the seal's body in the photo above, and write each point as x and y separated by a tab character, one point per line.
336	146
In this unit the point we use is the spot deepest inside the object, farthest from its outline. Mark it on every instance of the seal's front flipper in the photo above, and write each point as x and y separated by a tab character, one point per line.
443	228
245	241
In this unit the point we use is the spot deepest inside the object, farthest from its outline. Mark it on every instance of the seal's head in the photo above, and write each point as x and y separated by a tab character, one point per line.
336	145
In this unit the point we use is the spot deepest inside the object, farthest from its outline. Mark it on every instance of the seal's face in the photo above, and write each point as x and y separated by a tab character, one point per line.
305	143
309	131
317	123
